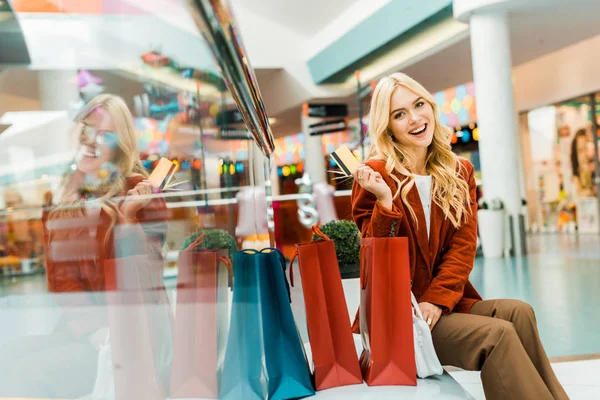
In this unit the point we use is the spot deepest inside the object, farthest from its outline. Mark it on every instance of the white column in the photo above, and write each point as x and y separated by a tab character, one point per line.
58	89
496	113
259	164
314	162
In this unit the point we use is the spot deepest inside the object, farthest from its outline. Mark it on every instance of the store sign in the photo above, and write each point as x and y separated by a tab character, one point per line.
325	110
230	117
234	134
328	127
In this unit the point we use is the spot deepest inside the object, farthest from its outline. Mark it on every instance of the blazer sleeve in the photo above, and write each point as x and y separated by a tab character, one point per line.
372	219
448	285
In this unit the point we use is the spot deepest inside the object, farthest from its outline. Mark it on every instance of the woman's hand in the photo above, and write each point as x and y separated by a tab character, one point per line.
431	313
373	182
136	199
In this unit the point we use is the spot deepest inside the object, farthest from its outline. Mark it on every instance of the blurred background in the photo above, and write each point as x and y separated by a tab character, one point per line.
517	81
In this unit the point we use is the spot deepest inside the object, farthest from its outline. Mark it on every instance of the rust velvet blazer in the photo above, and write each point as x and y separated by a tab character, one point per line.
439	265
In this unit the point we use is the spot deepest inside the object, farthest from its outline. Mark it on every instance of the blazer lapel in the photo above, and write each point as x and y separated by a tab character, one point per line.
421	230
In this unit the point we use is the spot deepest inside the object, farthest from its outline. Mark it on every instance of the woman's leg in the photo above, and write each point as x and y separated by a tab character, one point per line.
492	346
522	316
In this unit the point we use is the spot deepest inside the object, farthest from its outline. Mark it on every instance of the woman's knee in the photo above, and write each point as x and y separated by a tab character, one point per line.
518	309
499	329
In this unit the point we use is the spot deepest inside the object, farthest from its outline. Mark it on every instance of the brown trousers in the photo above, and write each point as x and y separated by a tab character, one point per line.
500	339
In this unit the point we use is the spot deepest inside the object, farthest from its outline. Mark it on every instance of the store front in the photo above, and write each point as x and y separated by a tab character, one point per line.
562	195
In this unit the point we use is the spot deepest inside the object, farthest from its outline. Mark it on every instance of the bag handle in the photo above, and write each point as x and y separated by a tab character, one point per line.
363	267
229	265
292	266
199	240
416	305
283	264
317	231
281	261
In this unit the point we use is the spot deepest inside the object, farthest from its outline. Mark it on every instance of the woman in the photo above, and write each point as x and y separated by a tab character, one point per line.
414	186
105	234
582	151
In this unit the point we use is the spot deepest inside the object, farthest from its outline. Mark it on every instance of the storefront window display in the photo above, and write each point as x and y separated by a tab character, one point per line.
563	168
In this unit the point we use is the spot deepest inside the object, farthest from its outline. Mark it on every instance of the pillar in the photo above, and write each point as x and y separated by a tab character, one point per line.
314	161
498	146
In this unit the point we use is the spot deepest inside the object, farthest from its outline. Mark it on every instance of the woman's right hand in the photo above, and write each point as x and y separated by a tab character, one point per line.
373	182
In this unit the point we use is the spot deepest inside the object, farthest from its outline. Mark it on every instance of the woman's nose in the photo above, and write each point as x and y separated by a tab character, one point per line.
412	116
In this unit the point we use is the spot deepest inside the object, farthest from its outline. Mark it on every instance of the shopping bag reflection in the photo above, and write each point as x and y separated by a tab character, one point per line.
199	338
141	324
333	351
386	313
264	358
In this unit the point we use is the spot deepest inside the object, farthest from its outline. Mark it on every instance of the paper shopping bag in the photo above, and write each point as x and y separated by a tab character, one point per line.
386	313
265	358
332	346
198	341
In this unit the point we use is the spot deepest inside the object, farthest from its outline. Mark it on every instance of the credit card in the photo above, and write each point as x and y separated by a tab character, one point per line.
346	160
162	174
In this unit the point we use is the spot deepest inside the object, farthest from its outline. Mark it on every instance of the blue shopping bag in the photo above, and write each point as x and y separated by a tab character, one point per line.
265	358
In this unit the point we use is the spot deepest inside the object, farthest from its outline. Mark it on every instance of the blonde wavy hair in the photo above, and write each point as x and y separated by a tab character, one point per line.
449	190
126	160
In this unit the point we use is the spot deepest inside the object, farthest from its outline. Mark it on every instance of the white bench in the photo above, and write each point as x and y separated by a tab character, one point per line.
440	387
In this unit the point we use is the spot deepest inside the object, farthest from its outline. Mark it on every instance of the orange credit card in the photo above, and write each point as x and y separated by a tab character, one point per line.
346	160
162	174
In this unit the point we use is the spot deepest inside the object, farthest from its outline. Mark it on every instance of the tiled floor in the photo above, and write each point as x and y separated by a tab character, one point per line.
560	278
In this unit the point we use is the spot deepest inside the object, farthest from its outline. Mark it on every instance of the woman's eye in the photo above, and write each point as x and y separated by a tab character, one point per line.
420	104
399	115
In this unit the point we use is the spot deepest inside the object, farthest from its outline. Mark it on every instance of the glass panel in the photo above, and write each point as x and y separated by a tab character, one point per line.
128	182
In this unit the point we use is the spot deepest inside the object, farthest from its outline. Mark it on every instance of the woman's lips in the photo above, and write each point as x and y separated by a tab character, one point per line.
419	130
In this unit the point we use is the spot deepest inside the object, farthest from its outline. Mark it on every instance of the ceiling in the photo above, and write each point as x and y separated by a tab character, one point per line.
305	17
536	30
534	33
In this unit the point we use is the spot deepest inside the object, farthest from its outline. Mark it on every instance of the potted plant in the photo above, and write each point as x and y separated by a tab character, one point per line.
216	239
491	222
346	238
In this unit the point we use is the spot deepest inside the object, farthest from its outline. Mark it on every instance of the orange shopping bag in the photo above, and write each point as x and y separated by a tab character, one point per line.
198	342
386	313
329	331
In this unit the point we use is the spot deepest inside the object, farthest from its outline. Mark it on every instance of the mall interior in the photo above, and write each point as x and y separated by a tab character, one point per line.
236	108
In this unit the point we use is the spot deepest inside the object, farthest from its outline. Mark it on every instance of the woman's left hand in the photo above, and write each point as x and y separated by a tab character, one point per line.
431	313
136	199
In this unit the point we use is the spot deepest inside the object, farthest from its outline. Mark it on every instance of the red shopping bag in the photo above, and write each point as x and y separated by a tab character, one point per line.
196	343
332	345
386	313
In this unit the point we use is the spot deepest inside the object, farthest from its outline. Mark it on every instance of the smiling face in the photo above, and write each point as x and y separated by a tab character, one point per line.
98	142
411	120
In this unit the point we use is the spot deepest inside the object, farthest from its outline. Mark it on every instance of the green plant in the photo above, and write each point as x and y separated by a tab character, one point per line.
215	239
346	238
494	204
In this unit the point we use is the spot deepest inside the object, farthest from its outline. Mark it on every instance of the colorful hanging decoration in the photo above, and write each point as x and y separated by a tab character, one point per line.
335	140
154	136
289	149
290	170
457	105
465	134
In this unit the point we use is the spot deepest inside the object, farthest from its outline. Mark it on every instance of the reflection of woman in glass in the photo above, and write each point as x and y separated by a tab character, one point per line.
580	162
106	228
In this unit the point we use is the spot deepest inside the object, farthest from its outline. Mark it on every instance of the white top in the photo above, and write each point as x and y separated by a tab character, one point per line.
424	187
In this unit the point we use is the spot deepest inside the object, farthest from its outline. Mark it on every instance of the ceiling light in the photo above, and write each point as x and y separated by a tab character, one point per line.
272	121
